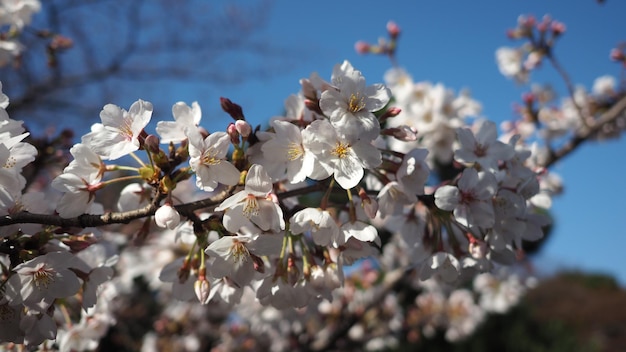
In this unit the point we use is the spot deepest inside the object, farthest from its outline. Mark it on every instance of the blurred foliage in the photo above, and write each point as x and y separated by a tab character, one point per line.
571	312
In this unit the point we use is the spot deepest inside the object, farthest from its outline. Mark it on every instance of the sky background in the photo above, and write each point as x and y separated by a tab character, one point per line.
453	43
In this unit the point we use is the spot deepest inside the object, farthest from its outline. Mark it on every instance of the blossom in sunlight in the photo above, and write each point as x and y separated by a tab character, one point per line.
14	155
79	193
119	133
285	155
208	160
86	163
352	104
337	156
253	205
185	117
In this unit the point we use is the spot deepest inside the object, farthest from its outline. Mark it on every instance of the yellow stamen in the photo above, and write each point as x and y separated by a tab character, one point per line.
251	206
295	151
341	150
42	276
239	251
356	103
210	157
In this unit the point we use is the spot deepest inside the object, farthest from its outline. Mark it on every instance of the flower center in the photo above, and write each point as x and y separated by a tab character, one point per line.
356	102
341	150
294	151
126	129
480	150
43	276
239	251
210	157
251	206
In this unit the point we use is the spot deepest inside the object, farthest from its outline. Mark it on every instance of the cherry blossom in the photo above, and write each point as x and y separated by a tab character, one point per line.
253	205
208	160
185	117
119	133
350	107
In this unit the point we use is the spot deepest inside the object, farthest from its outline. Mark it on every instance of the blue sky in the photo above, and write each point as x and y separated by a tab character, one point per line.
453	42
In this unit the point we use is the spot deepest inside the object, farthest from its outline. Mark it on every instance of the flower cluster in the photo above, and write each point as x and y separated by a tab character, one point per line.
407	172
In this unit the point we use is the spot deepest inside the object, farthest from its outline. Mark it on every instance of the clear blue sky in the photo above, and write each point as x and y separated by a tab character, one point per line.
453	42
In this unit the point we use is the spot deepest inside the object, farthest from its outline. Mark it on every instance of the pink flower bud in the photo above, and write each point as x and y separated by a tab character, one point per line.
617	54
528	98
243	127
393	29
202	289
233	133
362	47
167	217
558	28
391	112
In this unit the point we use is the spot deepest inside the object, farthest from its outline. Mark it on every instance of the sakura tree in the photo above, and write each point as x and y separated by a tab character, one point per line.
291	236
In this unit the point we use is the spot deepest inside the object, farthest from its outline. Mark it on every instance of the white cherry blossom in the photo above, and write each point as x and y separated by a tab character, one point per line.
185	117
253	205
119	132
337	156
285	149
350	107
208	160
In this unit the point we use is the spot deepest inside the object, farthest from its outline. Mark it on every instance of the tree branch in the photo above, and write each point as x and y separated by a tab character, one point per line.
585	133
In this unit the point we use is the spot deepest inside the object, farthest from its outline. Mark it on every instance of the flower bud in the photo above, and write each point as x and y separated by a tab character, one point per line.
361	47
528	98
152	143
369	205
617	54
167	217
391	112
202	289
233	133
243	127
393	29
557	27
